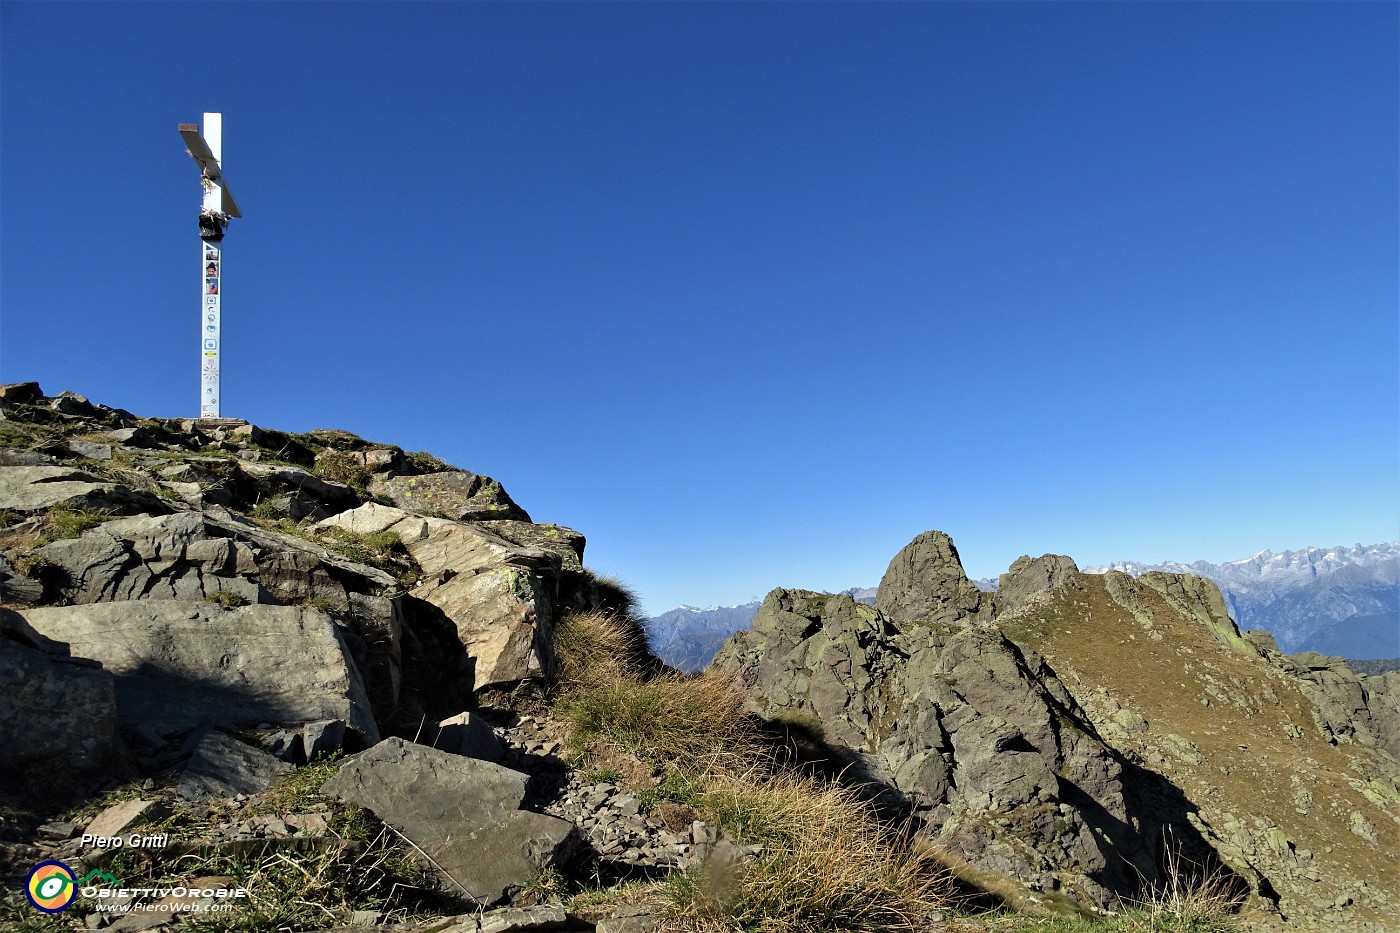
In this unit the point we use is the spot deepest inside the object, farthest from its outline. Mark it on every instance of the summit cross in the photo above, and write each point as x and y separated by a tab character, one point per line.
215	210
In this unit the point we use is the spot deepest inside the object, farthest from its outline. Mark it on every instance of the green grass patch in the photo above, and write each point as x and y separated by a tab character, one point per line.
424	462
344	467
226	599
63	521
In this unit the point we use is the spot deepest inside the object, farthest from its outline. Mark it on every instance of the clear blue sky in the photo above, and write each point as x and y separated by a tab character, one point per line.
750	294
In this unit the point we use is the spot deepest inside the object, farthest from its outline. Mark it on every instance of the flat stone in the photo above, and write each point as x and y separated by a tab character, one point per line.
462	812
118	818
56	832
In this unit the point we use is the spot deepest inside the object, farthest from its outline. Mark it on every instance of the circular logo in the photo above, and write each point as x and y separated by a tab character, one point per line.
51	887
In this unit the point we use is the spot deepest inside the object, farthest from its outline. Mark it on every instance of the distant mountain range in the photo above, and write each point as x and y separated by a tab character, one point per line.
1341	601
1337	601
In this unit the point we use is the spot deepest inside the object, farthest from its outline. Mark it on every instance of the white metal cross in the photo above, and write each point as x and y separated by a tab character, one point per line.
218	206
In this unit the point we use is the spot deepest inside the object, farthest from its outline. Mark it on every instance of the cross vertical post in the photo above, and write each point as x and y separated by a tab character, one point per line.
216	208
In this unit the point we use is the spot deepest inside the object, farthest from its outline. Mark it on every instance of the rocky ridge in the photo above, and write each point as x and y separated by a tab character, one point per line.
1088	734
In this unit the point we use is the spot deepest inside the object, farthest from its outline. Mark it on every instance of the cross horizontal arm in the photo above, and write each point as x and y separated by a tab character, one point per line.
209	165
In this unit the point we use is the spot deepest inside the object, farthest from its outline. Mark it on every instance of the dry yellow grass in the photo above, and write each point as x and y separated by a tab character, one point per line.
826	865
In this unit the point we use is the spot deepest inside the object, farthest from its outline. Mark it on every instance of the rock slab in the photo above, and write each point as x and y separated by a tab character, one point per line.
461	812
179	665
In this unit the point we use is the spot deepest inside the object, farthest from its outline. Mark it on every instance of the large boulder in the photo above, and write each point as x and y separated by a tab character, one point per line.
179	664
463	813
55	710
194	556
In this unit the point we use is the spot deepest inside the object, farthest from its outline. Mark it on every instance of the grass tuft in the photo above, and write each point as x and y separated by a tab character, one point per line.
62	522
827	865
594	648
668	722
344	467
226	599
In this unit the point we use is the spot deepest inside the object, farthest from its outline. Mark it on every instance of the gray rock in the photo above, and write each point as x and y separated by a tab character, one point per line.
9	456
36	488
1029	576
1383	702
630	920
456	495
521	919
566	543
323	738
178	664
290	477
925	584
16	588
23	393
90	450
71	403
53	707
118	818
56	831
144	437
503	611
222	766
462	812
286	746
470	735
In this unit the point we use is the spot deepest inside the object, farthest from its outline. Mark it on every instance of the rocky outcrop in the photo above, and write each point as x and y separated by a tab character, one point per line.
978	734
462	813
1030	576
457	495
925	583
499	583
1383	701
1023	764
32	489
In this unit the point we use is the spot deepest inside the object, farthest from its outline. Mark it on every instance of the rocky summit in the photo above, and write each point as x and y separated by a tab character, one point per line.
366	689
